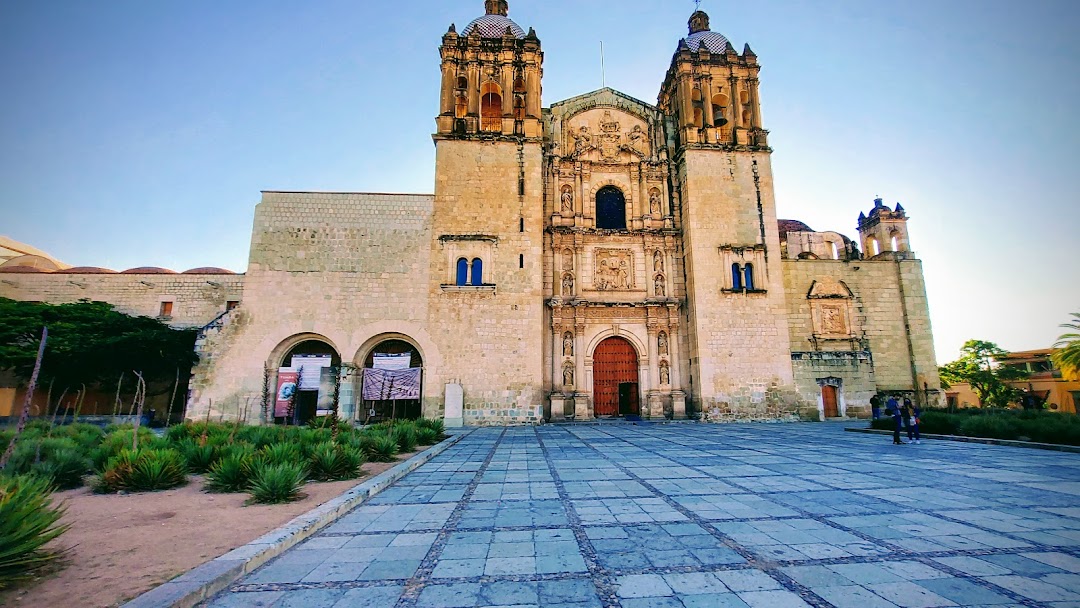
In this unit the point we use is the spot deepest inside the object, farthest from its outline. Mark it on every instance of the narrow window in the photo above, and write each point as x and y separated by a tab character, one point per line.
231	304
462	83
521	260
521	227
895	243
166	310
834	249
519	108
873	246
748	272
736	277
610	209
719	108
462	272
477	272
491	107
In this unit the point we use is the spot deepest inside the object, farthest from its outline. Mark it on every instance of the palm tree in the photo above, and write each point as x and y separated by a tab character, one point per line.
1068	358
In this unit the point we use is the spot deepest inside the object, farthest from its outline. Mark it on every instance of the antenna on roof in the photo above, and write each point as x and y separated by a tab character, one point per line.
697	5
603	68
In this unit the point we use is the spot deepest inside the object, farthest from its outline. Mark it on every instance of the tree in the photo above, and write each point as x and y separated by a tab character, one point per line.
1068	358
980	367
91	343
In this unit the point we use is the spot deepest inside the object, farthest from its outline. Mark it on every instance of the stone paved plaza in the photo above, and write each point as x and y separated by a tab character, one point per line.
698	516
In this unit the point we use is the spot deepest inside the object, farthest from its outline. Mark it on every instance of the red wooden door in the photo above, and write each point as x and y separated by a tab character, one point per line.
828	398
614	362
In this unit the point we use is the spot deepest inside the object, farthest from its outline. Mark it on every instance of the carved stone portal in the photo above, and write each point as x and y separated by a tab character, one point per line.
614	270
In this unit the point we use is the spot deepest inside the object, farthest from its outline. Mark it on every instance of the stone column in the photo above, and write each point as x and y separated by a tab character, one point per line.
532	92
474	89
678	397
735	103
707	102
655	403
449	79
507	84
755	107
347	392
687	104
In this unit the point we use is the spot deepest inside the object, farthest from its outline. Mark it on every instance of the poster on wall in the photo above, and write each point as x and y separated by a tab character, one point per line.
388	385
392	362
312	367
287	381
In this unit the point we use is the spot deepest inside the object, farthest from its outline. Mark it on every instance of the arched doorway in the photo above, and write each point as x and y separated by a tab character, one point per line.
392	382
307	382
615	379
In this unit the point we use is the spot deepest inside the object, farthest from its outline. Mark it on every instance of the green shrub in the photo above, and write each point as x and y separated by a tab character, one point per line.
197	458
332	462
406	437
381	447
31	452
281	453
939	423
426	436
261	436
65	469
230	474
28	522
435	424
275	484
990	427
148	470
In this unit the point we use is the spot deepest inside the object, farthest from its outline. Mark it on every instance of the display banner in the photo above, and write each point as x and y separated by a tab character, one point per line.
392	362
286	387
312	366
387	385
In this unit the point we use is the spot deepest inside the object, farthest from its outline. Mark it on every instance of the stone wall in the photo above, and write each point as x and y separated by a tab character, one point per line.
851	372
489	205
889	317
347	269
196	298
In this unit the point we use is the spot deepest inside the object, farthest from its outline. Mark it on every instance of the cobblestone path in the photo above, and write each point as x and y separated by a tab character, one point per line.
697	516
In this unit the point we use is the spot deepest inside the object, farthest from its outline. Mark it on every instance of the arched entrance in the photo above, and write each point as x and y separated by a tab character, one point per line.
615	379
306	384
610	209
392	382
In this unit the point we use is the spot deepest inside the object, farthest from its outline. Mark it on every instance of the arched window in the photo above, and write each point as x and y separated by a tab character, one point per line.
748	274
699	112
477	272
462	83
736	277
719	110
895	242
833	250
872	246
519	85
491	107
462	272
519	108
610	209
461	107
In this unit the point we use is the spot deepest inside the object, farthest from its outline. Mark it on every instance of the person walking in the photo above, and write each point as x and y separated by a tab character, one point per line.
893	410
905	414
912	420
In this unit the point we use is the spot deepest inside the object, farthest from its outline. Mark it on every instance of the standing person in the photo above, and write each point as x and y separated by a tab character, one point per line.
913	414
894	411
905	413
875	406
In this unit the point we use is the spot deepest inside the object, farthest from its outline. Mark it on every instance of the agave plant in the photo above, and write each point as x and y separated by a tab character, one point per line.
64	468
281	453
275	484
426	436
332	462
230	474
1068	358
28	522
147	470
406	437
381	447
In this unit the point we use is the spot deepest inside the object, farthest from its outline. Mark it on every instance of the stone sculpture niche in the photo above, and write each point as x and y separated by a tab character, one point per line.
568	344
614	270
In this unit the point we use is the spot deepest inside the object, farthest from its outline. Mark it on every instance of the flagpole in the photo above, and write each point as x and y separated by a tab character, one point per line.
603	68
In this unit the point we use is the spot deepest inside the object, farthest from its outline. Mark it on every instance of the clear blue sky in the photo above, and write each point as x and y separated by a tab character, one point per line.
140	133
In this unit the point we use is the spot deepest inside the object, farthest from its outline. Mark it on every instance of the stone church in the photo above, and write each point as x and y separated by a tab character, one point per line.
598	257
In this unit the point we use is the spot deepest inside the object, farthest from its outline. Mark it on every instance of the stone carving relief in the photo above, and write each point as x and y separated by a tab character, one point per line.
568	259
614	270
654	202
662	343
833	321
568	374
665	373
567	201
568	344
829	288
568	284
610	138
658	262
658	285
582	141
638	140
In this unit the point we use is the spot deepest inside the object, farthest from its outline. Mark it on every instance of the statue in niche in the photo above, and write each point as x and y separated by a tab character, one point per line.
568	260
568	344
568	284
654	202
658	285
658	262
661	343
568	374
637	139
567	201
665	374
582	140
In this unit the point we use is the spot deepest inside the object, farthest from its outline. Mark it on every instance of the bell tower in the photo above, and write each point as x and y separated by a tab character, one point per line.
486	290
491	75
736	311
884	230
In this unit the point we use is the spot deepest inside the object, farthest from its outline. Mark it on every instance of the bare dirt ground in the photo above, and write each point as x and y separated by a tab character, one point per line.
122	546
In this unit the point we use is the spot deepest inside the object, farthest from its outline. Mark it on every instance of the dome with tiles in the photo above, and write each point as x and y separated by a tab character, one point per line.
494	23
702	36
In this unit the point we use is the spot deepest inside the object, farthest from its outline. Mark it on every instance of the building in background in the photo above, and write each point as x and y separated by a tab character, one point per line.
1046	385
601	256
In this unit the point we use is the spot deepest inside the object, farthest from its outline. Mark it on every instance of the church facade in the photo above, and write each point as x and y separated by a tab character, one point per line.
598	257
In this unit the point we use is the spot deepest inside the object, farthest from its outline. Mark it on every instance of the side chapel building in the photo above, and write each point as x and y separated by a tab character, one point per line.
599	257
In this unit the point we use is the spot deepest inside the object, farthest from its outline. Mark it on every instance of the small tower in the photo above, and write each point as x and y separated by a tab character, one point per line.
712	91
884	230
491	75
